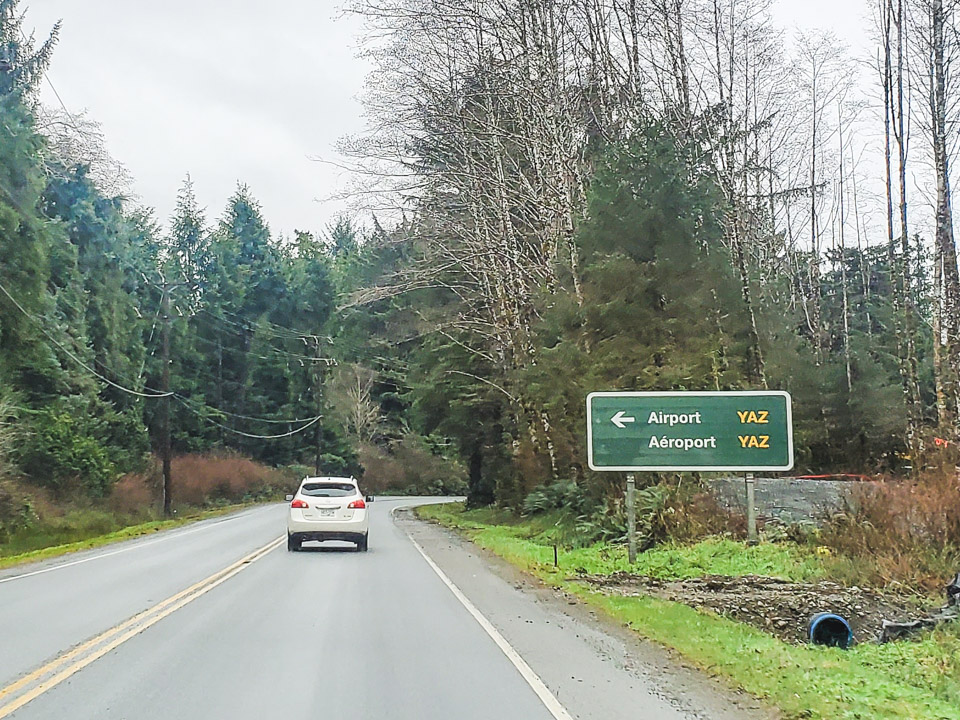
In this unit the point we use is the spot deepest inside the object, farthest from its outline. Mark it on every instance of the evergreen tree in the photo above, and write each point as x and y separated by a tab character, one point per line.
661	307
188	243
243	286
21	66
26	242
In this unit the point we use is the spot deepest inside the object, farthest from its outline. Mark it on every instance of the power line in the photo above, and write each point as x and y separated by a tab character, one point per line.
81	363
28	216
294	334
254	436
181	399
277	331
251	353
217	411
149	342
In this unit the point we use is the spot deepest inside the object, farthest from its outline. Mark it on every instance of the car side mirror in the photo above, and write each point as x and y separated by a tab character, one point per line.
369	498
289	498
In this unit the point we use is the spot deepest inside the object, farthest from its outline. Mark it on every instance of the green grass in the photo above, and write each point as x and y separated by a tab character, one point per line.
83	530
917	679
529	543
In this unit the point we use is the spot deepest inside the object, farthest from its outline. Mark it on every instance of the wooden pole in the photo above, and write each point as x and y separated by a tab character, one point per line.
165	449
318	398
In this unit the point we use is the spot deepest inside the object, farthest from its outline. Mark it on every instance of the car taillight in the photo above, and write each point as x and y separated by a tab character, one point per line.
357	505
299	504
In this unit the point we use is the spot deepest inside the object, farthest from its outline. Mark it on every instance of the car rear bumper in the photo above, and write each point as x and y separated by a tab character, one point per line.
350	530
324	536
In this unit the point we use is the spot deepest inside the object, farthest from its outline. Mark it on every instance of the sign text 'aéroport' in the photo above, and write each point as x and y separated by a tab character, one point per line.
676	431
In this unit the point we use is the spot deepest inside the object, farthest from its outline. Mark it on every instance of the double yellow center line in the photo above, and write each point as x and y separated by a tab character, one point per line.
17	694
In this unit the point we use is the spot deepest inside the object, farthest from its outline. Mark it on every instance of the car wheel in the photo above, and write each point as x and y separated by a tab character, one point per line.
362	544
293	544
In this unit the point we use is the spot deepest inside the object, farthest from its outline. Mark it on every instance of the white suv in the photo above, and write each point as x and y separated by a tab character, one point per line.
328	508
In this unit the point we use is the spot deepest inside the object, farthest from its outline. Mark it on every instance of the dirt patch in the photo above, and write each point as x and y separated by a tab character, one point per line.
779	607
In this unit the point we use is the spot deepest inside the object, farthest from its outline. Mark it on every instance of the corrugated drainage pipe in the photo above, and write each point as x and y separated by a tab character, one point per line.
831	630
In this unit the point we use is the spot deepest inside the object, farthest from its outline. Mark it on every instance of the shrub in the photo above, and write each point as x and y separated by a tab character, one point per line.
610	524
199	480
135	492
585	520
60	454
411	466
16	510
663	511
296	473
561	495
906	532
124	437
692	513
9	432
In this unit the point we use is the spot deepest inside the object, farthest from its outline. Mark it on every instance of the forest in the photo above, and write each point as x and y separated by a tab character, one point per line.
553	197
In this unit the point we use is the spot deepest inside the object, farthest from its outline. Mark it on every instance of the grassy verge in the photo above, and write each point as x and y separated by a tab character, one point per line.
918	679
87	530
529	543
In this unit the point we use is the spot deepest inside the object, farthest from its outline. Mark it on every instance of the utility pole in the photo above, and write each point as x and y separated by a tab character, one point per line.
220	377
165	401
318	398
165	449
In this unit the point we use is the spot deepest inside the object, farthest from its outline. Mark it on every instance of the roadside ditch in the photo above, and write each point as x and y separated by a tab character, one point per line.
778	607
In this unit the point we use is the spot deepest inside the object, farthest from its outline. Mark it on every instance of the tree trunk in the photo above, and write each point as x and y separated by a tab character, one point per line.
843	265
946	245
814	265
938	338
911	380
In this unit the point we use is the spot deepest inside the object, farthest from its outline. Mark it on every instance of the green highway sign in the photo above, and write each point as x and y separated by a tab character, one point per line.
673	431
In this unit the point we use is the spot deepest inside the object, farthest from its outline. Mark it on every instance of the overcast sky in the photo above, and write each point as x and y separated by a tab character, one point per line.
246	90
225	90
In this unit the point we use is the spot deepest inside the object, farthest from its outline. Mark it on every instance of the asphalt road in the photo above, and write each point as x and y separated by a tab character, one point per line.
325	633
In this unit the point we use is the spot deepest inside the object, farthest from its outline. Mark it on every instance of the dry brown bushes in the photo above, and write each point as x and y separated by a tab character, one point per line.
199	480
902	531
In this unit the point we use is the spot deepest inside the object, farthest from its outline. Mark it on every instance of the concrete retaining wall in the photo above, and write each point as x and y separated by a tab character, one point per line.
784	499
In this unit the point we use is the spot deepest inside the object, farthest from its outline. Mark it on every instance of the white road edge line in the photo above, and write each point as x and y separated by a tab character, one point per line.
137	546
533	680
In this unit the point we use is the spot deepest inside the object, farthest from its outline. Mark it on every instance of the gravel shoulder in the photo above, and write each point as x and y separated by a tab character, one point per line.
595	667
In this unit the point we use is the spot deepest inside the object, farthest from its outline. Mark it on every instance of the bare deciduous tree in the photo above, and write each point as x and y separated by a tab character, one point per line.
350	392
939	46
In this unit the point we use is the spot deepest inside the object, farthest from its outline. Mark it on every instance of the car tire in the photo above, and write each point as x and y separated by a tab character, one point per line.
362	544
293	544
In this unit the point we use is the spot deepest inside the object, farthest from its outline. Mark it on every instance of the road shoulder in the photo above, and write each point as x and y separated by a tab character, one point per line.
595	667
115	543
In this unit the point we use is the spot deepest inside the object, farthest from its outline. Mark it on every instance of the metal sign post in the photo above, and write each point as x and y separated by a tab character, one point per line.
631	520
735	431
751	510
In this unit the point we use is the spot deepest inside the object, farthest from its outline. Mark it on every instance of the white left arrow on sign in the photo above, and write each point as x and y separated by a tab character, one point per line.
620	420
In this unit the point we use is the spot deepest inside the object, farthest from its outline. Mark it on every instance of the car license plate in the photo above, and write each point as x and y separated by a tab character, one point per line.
327	512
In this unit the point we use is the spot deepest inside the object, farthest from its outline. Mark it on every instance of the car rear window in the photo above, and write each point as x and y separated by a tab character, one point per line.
328	489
